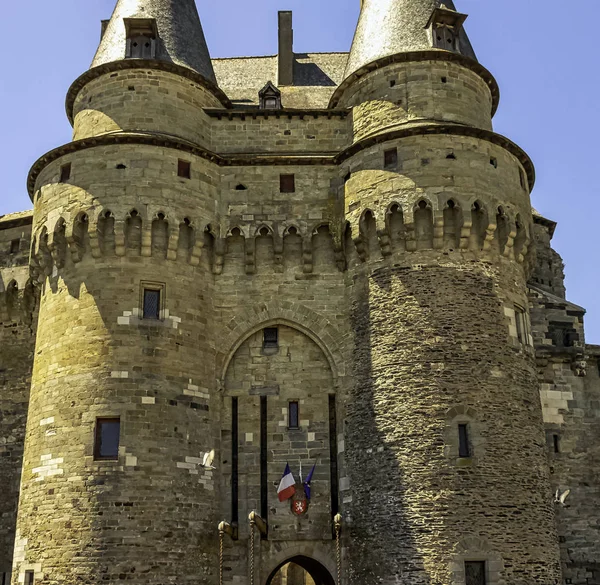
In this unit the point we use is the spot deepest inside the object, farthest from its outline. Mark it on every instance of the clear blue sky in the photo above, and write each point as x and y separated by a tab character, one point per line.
542	52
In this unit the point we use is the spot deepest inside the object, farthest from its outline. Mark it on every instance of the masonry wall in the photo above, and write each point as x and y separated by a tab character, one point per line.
17	340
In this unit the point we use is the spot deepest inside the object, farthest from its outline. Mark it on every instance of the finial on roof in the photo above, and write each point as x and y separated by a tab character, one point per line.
390	27
165	30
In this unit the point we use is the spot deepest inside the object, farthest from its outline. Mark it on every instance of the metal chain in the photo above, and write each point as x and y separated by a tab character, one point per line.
338	551
221	535
251	553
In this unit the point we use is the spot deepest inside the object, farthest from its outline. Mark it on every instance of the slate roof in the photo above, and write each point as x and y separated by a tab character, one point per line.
390	27
316	75
181	36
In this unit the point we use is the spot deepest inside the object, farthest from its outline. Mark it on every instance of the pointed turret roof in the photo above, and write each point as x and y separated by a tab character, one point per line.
180	38
390	27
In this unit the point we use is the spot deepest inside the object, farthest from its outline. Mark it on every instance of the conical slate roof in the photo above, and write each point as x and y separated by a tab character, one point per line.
390	27
180	36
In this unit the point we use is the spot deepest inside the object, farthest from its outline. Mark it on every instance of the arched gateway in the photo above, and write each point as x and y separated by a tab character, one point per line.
300	570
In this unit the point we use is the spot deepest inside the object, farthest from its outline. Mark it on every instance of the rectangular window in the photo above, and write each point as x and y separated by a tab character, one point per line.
294	415
106	445
151	303
15	245
184	169
390	158
270	337
4	578
65	173
29	577
287	184
464	448
522	325
556	443
475	573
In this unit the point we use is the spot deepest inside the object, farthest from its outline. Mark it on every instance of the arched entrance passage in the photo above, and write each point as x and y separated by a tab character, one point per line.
300	570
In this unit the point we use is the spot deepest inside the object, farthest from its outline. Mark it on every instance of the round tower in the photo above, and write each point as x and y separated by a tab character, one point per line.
447	474
115	485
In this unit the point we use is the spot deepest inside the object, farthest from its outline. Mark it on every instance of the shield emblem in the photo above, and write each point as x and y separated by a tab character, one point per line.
299	502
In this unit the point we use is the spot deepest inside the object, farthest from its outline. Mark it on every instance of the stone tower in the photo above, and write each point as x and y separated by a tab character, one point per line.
327	269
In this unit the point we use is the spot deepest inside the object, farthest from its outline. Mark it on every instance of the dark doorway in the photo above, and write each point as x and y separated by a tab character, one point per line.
300	571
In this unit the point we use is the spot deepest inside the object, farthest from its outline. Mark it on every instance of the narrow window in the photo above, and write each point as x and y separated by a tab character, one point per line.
333	456
556	442
475	573
293	415
464	449
29	578
287	184
151	303
4	579
184	169
65	173
270	337
521	321
522	178
235	513
390	158
264	450
494	162
106	445
393	83
15	246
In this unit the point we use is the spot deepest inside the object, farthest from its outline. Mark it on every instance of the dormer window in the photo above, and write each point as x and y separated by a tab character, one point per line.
269	97
445	26
142	37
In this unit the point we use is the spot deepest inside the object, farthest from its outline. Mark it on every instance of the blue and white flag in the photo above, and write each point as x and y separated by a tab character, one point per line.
307	482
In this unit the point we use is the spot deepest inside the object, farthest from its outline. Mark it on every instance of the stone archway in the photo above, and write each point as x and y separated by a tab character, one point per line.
300	570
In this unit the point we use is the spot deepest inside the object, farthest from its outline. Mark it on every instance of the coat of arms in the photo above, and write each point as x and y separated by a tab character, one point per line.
299	502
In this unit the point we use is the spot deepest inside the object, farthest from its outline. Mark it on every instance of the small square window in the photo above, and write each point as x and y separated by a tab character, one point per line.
270	337
464	447
294	415
65	173
287	184
475	573
390	158
106	444
29	578
184	169
152	303
15	246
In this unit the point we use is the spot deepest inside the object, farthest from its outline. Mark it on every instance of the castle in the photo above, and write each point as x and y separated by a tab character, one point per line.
326	261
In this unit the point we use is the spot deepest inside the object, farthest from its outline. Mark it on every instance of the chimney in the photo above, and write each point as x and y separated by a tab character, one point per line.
286	48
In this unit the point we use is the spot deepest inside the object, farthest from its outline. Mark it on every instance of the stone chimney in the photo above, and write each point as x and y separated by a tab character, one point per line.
286	48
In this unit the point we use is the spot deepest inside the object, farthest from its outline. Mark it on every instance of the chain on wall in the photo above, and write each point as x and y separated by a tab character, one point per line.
221	537
251	552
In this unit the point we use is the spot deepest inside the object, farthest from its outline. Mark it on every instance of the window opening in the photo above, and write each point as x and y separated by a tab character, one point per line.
562	335
464	448
294	415
270	337
184	169
445	25
241	187
494	162
556	443
522	325
29	578
475	573
392	83
151	303
65	173
15	246
390	158
106	444
141	38
287	184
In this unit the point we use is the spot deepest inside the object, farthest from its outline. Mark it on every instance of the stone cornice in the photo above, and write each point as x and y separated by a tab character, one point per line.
271	159
432	55
255	113
128	64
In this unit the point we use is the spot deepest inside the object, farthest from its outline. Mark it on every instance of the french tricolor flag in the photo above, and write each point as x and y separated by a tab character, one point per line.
287	487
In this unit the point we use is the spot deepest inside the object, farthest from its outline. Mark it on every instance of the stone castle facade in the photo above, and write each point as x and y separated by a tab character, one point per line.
324	259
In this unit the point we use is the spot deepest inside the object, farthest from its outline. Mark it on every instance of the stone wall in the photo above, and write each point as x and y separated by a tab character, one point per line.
17	339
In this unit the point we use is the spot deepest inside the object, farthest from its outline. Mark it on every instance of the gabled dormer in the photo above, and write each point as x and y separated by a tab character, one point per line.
142	38
444	28
269	97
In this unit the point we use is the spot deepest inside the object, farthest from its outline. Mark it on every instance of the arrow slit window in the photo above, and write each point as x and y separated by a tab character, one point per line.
142	37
